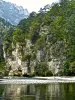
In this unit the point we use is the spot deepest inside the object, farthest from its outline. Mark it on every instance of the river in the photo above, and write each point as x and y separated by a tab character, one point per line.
52	91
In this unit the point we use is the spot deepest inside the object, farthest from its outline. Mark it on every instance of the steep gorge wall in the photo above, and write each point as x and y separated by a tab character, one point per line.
29	58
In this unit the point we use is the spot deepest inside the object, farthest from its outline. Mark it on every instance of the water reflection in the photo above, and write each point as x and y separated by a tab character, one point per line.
38	92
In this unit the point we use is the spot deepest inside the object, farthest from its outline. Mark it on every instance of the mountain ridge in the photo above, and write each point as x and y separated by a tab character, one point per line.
12	13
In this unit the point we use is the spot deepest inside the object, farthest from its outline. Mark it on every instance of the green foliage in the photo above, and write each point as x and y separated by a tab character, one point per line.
18	36
41	42
42	69
49	73
26	57
2	66
8	38
66	68
5	22
4	28
69	68
72	67
31	74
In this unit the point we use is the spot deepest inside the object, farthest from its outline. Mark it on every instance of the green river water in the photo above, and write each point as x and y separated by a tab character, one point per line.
55	91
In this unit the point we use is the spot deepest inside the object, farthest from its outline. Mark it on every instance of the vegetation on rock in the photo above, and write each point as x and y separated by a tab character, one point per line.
53	33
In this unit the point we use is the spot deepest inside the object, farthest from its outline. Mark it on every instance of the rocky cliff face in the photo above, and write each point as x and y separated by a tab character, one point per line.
30	58
12	13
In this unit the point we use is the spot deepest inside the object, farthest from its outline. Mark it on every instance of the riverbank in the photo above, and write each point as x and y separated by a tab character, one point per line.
37	80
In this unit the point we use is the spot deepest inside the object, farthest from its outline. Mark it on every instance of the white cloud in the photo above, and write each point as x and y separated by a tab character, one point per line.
32	5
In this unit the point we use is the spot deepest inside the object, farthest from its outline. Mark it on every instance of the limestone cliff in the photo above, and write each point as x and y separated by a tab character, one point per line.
27	57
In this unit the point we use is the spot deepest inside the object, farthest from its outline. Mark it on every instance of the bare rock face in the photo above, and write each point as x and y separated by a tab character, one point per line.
16	63
12	13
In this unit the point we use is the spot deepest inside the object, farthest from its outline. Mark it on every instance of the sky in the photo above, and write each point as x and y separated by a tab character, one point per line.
32	5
